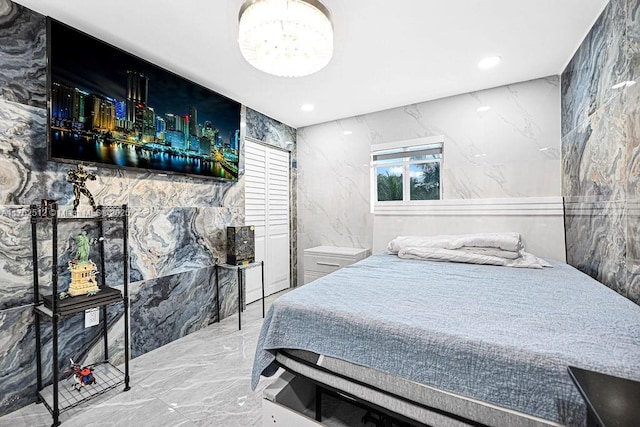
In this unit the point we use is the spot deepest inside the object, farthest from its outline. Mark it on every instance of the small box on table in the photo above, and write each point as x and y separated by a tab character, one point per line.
241	245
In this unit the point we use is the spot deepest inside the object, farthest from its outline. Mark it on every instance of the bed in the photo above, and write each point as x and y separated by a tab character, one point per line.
451	343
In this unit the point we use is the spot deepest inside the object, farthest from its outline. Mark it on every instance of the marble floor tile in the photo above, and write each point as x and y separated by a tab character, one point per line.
128	409
202	379
114	408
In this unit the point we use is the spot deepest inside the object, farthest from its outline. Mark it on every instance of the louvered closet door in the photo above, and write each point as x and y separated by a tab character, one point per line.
267	207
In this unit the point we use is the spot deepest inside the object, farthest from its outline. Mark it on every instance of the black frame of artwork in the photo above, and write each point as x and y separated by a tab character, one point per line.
109	108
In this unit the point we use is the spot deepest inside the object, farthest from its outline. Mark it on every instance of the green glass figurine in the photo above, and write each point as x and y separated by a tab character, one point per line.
83	243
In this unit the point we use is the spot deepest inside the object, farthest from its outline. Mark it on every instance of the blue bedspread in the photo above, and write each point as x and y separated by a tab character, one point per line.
501	335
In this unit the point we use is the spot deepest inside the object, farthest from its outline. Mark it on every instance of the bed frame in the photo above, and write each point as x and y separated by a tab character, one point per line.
319	380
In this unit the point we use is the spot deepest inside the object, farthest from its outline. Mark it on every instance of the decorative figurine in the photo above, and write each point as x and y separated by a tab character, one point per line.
83	270
78	177
82	375
84	245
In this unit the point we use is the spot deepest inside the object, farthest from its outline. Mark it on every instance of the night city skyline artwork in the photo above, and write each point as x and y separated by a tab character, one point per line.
111	108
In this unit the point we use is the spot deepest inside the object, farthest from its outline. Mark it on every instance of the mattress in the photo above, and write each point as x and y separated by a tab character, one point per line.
497	335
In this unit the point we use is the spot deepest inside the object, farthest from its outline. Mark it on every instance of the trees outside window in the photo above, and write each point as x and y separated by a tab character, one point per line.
407	173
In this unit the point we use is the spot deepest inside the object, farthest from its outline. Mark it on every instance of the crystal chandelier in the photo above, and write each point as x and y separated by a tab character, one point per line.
288	38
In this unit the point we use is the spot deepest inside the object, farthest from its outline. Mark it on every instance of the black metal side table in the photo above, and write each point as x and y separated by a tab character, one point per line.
611	401
240	269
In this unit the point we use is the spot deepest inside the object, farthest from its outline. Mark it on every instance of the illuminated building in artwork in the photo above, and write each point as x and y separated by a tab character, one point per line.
182	124
170	121
217	139
211	134
148	128
137	98
207	130
124	125
161	128
176	134
205	146
101	113
121	109
194	144
137	88
79	106
193	121
61	103
175	139
68	106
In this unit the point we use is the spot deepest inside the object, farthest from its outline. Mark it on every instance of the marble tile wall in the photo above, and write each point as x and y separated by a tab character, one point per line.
512	150
601	150
177	228
22	47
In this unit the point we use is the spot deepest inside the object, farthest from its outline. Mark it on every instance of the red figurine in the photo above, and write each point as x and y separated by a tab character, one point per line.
82	375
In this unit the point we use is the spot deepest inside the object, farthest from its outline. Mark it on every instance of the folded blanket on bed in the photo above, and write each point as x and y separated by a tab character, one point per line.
524	260
505	241
491	252
504	249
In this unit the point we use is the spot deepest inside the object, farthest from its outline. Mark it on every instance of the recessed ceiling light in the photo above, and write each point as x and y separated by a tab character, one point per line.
623	84
347	132
489	62
307	107
483	109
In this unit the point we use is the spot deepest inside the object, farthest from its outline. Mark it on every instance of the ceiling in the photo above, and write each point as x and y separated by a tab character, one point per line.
387	53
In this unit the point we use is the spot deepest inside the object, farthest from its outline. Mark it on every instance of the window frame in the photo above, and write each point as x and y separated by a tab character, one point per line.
404	149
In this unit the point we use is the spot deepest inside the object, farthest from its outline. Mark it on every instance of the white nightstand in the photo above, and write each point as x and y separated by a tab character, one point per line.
322	260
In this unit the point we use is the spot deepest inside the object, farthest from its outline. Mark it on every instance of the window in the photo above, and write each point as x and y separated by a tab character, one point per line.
406	171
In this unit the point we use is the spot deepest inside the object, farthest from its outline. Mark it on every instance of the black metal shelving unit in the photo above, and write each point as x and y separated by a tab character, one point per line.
56	397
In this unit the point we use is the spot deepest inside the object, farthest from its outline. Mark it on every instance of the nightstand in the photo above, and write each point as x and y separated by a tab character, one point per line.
611	401
322	260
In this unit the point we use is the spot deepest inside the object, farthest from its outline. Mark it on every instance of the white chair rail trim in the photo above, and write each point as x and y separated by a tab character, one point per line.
529	206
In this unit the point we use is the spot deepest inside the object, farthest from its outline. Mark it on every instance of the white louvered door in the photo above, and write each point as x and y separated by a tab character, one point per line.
267	208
